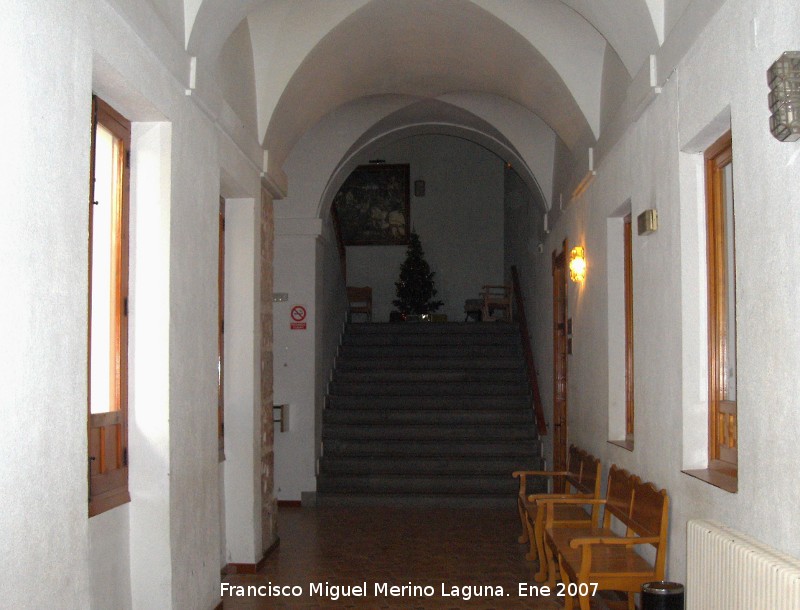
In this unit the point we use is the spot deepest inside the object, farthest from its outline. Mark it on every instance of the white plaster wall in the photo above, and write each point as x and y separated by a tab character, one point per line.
529	134
656	166
43	237
463	202
109	535
242	382
294	363
236	77
161	550
148	370
331	308
194	486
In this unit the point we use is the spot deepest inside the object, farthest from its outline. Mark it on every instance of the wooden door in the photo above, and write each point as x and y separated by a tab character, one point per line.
560	362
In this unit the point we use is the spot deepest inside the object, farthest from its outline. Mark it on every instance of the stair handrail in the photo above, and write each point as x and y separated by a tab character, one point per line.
533	380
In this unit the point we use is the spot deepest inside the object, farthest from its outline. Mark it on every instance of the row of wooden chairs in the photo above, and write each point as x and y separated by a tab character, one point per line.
571	543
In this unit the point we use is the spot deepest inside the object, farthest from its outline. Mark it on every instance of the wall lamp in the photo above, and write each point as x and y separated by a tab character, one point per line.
783	78
577	264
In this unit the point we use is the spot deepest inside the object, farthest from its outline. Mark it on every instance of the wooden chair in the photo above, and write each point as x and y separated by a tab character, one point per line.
496	298
582	479
360	301
572	476
566	515
601	556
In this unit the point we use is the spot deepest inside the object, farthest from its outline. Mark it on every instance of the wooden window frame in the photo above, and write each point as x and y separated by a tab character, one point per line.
628	298
108	432
722	422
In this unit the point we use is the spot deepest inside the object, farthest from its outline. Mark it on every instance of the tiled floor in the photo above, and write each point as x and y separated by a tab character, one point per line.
369	546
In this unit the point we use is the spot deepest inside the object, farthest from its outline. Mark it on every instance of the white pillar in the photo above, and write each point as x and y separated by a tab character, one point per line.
242	466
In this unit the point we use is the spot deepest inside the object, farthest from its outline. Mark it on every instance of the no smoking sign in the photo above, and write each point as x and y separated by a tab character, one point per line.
298	315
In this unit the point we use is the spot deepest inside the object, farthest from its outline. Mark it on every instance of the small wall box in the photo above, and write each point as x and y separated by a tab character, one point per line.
648	222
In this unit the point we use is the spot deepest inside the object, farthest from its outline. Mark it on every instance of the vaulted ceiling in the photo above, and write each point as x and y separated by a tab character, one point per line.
568	62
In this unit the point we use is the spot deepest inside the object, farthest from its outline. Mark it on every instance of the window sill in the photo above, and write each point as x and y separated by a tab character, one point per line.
625	444
716	478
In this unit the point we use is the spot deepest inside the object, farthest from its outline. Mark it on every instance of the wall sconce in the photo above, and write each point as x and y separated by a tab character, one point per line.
783	78
419	188
577	264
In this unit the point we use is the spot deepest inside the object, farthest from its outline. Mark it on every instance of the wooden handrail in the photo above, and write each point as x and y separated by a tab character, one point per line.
533	381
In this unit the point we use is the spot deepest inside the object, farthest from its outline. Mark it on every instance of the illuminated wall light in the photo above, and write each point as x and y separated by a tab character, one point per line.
577	264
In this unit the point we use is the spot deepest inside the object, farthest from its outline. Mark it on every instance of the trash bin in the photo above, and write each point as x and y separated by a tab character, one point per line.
662	595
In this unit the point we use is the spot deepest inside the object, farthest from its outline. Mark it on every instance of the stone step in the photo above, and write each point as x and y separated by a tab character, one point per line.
381	375
428	402
496	466
388	361
421	484
447	328
460	388
417	500
448	417
525	450
438	339
422	432
481	352
427	413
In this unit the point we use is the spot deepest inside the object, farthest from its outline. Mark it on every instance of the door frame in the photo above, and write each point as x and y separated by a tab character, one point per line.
560	315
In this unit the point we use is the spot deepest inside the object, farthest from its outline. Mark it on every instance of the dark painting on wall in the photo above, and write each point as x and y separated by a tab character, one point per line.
372	206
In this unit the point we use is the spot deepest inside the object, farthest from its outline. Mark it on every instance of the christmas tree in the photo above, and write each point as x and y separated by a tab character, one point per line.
415	288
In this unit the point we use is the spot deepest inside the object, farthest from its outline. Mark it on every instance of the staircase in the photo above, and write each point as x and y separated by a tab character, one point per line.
427	413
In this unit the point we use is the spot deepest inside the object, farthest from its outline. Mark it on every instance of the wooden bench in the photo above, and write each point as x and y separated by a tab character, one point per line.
600	555
580	480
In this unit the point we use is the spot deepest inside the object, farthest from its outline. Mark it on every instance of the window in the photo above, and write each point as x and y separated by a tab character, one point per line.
108	309
619	239
720	251
628	281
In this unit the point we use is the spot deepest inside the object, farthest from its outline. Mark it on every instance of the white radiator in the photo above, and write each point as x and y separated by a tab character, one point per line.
726	570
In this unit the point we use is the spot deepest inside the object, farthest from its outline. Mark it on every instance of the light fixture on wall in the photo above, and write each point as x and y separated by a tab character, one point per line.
419	188
783	78
577	264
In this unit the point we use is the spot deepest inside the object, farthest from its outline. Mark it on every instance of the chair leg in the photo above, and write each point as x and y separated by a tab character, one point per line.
533	551
568	602
544	559
523	517
552	563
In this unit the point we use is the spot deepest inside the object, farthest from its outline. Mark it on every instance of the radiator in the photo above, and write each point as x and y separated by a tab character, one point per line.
726	570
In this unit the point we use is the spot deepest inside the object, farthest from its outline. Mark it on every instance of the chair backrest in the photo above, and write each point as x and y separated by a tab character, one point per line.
499	293
575	468
496	298
619	495
591	474
585	472
359	297
649	510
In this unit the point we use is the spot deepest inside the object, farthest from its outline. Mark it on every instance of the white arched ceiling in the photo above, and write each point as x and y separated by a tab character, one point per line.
328	151
283	33
425	49
209	23
431	116
547	56
628	26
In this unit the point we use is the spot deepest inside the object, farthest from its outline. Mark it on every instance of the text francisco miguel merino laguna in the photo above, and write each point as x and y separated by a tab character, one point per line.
379	589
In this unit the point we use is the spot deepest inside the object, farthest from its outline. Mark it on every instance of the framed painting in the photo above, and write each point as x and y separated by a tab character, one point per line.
372	206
